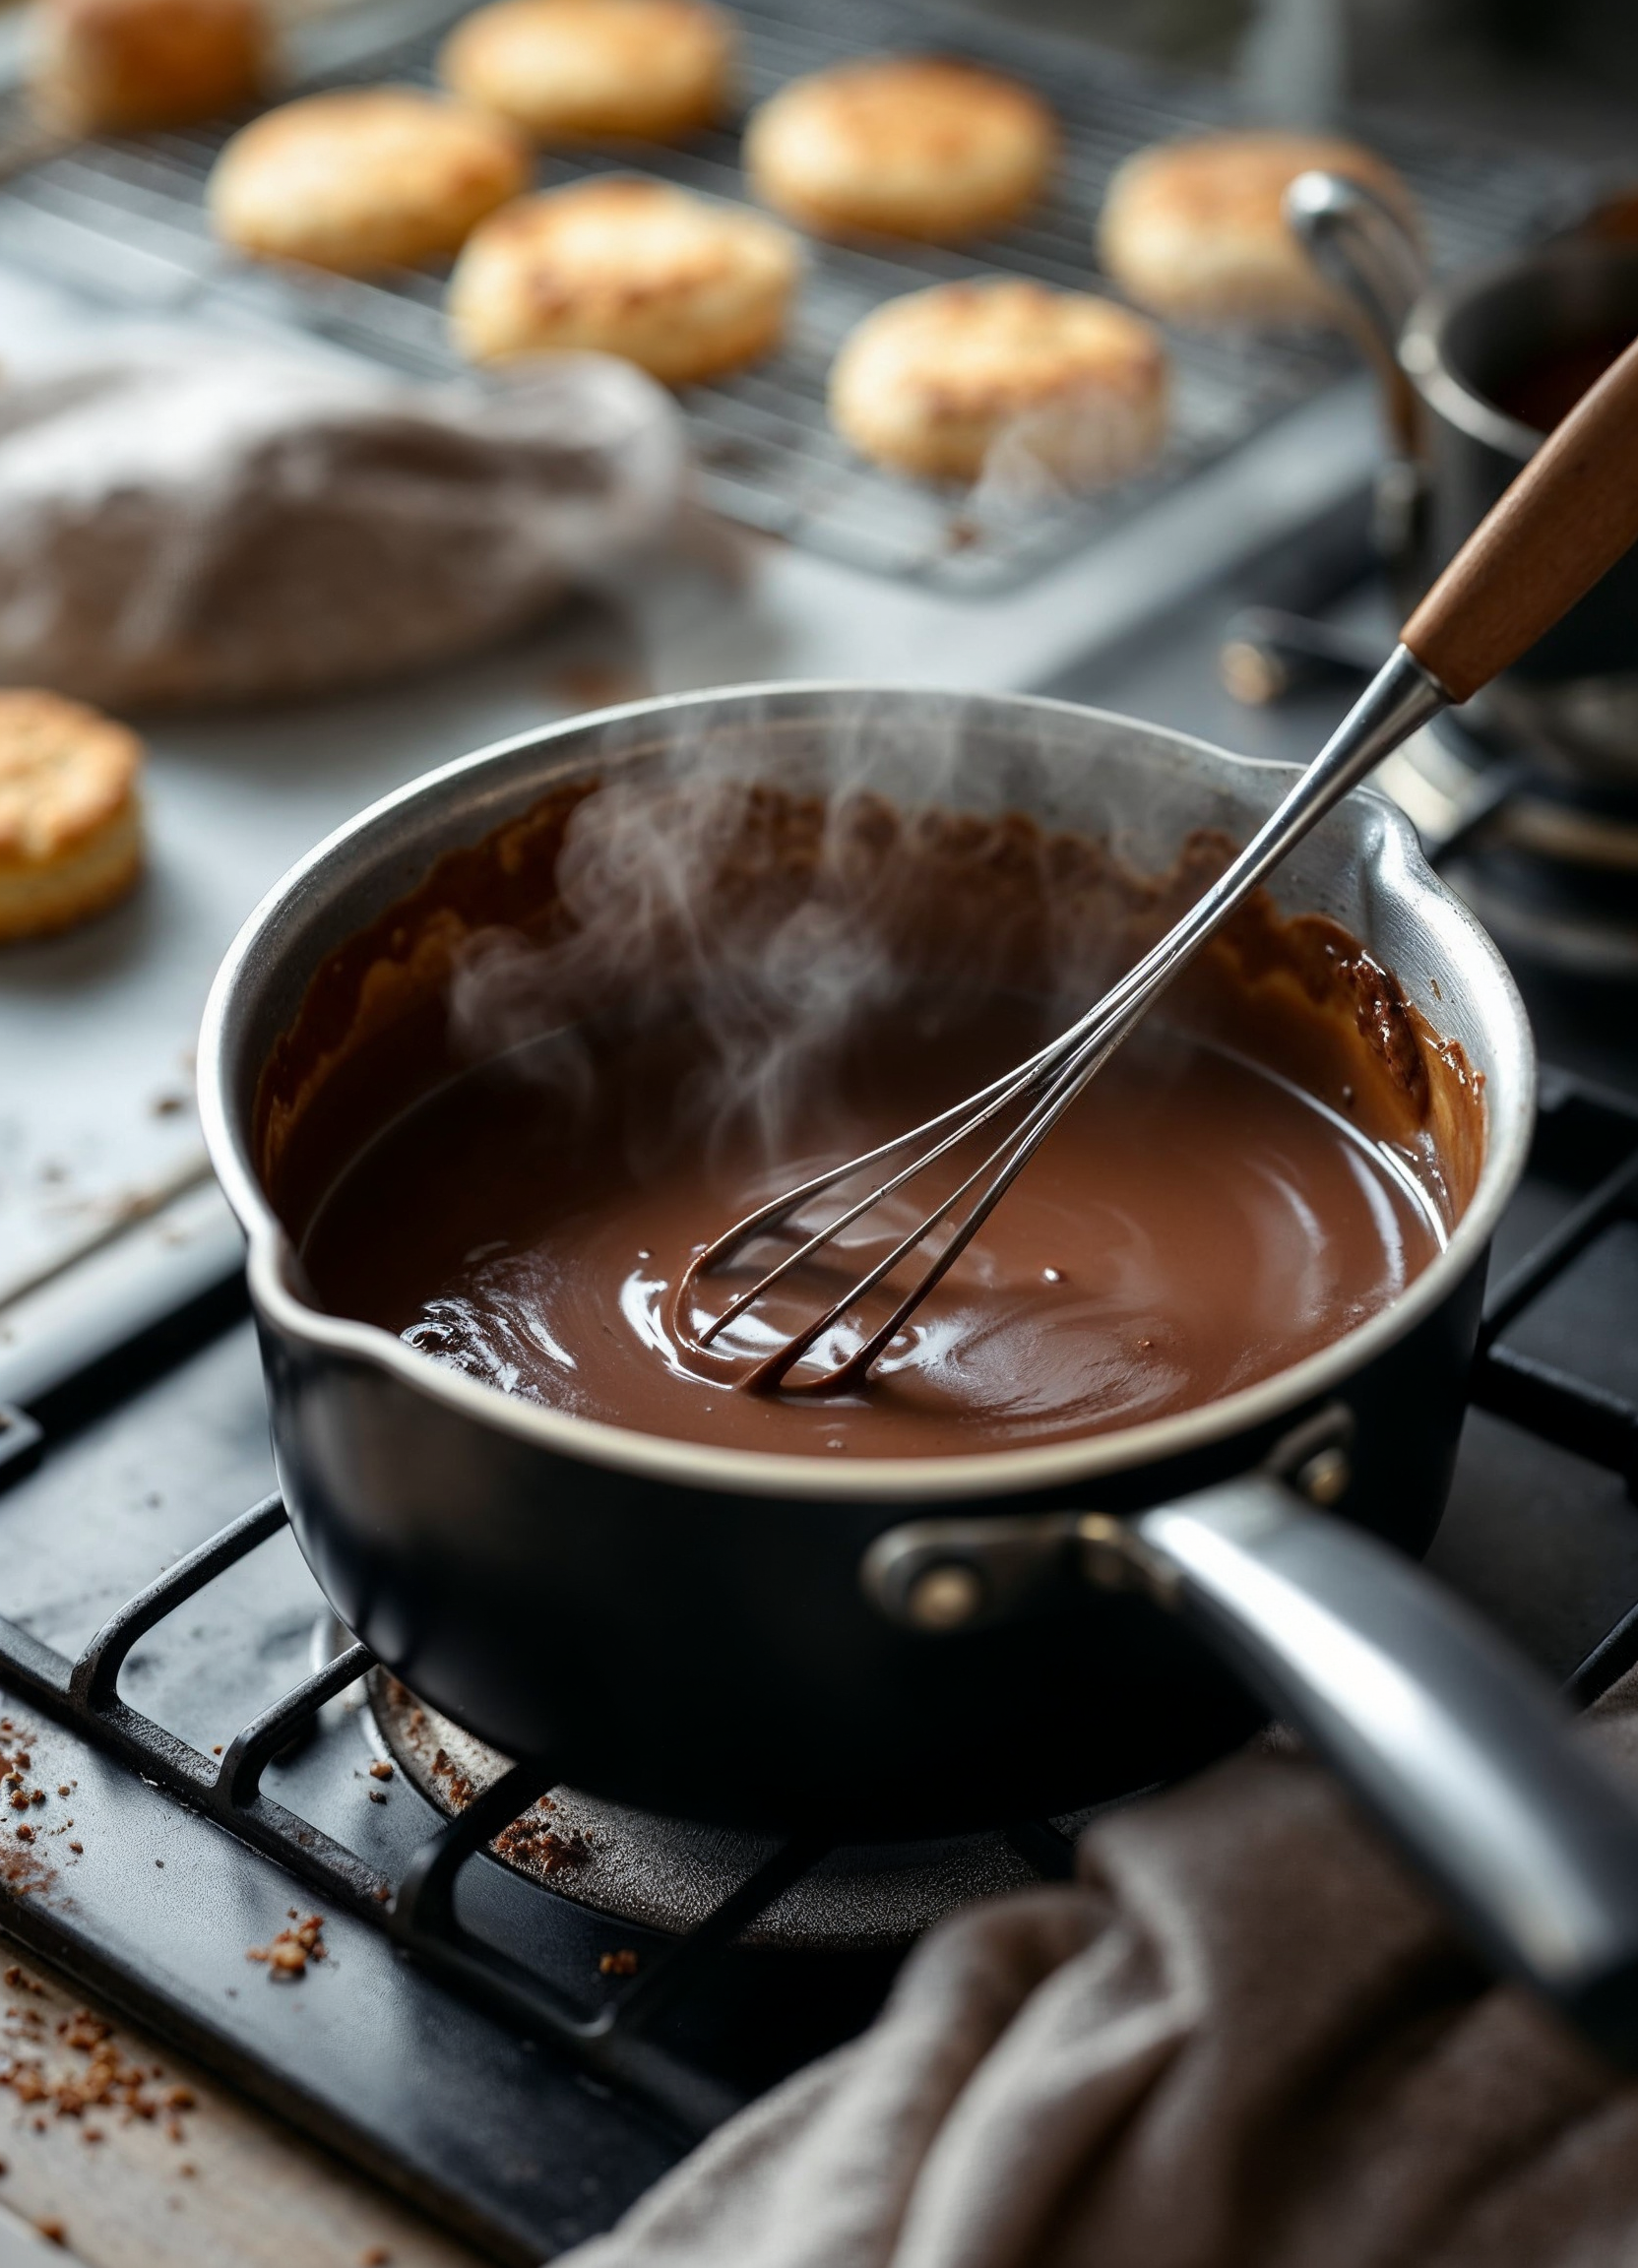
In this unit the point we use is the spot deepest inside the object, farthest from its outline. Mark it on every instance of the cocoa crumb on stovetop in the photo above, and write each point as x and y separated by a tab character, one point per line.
288	1956
460	1786
620	1963
529	1842
97	2075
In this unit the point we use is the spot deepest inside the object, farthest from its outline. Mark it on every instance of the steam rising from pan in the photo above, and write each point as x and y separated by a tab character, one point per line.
782	923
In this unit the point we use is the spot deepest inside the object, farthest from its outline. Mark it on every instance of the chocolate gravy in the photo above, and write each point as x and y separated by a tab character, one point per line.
508	1113
1195	1225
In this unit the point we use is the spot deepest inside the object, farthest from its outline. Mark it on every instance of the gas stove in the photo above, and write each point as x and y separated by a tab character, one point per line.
530	2001
533	2001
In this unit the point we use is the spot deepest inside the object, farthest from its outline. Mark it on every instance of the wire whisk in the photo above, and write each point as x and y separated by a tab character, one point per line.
1042	1089
1568	518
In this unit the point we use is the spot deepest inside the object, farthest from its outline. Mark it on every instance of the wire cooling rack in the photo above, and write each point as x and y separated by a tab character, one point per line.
126	217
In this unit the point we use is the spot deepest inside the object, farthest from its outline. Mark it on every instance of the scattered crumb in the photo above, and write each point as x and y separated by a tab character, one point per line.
77	1847
531	1843
380	1770
288	1956
217	1750
378	1794
460	1786
167	1106
77	2065
620	1963
54	2231
374	2256
63	1787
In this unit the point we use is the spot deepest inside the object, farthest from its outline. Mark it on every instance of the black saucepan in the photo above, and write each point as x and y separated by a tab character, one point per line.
893	1646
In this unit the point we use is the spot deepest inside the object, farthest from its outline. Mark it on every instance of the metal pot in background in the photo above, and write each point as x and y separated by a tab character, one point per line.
1442	351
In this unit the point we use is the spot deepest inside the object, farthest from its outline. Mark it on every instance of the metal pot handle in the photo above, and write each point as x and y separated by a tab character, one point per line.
1362	246
1460	1750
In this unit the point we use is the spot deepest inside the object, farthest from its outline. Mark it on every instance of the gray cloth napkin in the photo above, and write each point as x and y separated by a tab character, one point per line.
206	521
1244	2035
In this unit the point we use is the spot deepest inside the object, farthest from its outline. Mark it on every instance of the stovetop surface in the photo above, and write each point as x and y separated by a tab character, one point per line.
437	2072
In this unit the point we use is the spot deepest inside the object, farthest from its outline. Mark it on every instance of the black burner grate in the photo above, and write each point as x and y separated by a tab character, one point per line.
127	218
1586	1149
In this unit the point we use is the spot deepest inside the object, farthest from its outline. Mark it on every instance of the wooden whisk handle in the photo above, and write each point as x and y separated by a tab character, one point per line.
1568	517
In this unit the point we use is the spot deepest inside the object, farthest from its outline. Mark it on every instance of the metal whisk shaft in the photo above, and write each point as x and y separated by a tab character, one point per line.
1401	698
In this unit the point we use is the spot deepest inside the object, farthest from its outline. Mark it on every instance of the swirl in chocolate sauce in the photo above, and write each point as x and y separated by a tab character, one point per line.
1195	1225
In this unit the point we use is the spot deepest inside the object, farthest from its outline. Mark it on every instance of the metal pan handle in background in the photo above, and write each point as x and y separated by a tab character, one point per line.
1457	1747
1365	249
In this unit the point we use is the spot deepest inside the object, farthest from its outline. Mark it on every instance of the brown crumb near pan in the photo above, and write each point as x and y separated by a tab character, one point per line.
289	1952
374	2256
54	2231
530	1842
460	1786
620	1963
63	2069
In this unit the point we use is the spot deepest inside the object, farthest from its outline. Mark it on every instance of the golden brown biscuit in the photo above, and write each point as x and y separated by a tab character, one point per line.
363	179
113	66
677	283
70	823
1194	229
904	145
581	70
940	381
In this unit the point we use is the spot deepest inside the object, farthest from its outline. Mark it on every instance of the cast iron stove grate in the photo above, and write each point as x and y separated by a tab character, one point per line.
127	218
524	2113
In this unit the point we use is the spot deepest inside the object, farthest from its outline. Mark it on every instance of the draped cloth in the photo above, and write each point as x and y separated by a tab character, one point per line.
1242	2034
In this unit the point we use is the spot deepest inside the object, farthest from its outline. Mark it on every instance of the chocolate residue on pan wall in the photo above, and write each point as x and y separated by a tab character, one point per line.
556	920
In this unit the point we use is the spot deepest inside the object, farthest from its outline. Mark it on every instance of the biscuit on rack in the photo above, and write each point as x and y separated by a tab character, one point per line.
118	66
1194	229
682	285
589	70
1003	377
361	180
902	146
69	821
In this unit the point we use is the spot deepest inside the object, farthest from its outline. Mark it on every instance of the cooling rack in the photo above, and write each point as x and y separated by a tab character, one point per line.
126	219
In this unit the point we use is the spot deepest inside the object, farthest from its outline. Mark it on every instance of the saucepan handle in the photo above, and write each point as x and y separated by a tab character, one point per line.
1458	1748
1365	249
1361	245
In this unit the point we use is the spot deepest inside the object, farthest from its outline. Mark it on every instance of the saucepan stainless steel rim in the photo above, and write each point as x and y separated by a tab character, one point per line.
1509	1117
1422	350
